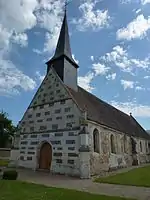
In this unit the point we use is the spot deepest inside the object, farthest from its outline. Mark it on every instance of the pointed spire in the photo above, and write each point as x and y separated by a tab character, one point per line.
63	46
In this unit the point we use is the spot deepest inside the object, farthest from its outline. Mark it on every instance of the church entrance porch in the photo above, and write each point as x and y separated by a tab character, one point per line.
45	156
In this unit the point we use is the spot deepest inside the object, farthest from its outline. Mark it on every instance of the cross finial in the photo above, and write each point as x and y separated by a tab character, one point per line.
66	4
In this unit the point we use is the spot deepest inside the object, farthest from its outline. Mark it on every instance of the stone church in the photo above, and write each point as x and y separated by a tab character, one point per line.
68	130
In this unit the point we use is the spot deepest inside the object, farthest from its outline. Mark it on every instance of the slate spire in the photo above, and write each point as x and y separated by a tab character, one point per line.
63	45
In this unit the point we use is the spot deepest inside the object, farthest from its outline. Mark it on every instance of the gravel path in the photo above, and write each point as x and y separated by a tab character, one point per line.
61	181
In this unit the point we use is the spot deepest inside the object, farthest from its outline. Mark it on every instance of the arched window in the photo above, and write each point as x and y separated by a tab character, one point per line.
96	141
140	146
112	143
125	144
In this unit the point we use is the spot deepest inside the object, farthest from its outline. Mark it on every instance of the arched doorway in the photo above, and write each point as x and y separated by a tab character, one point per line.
45	156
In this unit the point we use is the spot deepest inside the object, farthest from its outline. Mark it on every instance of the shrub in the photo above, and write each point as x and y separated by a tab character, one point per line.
10	175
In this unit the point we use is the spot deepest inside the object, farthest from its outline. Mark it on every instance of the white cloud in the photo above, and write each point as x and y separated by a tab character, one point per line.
121	59
146	77
100	69
49	17
16	17
145	1
85	81
21	39
92	58
73	56
111	76
137	110
39	76
37	51
127	84
139	88
91	17
138	11
12	79
136	29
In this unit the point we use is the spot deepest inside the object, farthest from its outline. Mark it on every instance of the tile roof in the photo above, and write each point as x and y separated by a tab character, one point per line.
105	114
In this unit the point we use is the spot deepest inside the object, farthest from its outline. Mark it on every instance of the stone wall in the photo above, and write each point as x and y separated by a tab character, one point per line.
105	159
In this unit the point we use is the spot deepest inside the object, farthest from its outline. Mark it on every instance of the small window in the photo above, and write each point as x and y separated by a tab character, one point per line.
31	152
112	143
58	161
29	116
140	146
29	158
39	96
40	120
24	142
62	102
34	143
57	85
96	141
57	154
38	114
71	148
30	122
71	134
51	104
51	93
69	125
33	136
72	154
57	111
67	109
49	119
22	152
70	116
56	142
54	126
43	127
42	106
58	118
70	161
70	141
47	113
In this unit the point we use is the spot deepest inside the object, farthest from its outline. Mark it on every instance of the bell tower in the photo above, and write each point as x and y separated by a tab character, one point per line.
62	61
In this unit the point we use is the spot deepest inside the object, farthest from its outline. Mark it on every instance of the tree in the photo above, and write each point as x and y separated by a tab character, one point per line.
7	129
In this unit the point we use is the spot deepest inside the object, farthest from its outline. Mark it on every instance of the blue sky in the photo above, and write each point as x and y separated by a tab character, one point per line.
110	40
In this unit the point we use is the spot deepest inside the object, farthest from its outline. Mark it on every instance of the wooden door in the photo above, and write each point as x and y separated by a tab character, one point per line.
45	156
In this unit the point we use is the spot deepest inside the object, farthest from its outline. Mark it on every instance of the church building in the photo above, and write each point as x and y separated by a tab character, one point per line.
67	130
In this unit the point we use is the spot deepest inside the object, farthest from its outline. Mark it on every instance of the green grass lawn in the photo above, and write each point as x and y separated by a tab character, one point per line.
4	163
15	190
136	177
